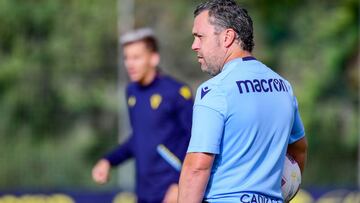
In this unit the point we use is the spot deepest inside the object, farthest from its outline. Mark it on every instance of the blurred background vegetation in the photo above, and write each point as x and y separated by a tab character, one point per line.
61	89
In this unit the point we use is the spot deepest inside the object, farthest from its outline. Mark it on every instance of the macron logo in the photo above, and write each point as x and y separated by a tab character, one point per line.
204	91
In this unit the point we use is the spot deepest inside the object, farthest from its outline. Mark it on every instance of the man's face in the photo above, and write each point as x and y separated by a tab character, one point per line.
207	45
139	61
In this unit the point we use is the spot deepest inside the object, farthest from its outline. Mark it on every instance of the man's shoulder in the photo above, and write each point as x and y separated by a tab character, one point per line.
130	87
211	94
136	89
175	87
283	81
170	81
213	84
275	77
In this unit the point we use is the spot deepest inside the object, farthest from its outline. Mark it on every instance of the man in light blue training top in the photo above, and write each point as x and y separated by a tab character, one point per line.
245	118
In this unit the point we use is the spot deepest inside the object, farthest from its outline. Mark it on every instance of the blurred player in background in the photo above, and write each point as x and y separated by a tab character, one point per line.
160	111
245	118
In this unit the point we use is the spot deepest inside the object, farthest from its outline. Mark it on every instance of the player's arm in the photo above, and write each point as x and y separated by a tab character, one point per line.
298	150
184	106
101	170
121	153
297	146
209	116
194	177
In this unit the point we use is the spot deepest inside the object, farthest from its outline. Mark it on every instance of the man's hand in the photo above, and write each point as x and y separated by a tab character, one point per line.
100	172
171	194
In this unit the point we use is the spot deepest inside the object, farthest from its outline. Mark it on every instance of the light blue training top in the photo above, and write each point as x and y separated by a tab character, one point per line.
246	115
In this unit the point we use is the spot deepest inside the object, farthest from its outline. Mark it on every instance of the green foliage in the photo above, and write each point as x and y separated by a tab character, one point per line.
57	89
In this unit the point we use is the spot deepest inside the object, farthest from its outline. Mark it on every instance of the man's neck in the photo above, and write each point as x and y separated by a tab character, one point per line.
149	78
237	54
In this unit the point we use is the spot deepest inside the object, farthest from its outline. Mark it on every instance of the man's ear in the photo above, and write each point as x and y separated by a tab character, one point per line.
230	37
155	59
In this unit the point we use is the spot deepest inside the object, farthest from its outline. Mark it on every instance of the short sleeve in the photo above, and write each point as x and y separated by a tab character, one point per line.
209	115
297	131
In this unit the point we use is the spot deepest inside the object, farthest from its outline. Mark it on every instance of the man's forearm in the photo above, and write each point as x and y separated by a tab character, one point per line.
300	158
194	177
192	185
298	151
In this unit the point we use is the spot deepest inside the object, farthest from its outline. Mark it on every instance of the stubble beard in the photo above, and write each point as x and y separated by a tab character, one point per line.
213	64
211	69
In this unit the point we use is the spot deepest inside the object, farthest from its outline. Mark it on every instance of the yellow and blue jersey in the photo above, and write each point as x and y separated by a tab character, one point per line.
246	115
160	116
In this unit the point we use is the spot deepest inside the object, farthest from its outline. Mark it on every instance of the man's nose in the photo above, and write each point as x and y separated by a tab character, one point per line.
195	45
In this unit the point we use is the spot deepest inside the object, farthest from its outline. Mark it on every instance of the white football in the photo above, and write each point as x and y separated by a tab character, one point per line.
291	178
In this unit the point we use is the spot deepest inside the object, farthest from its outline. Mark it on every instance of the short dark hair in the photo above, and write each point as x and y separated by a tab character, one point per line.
225	14
150	43
144	34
